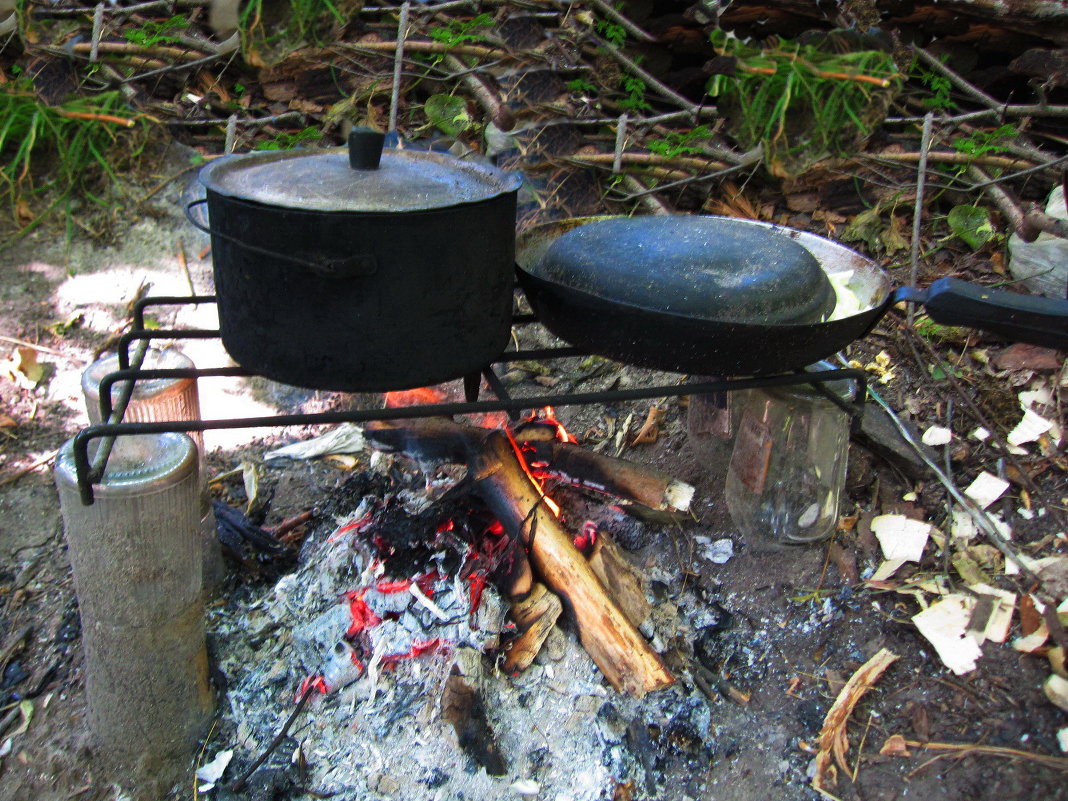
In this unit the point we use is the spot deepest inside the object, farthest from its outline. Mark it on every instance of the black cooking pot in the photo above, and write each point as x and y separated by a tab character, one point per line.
658	334
336	271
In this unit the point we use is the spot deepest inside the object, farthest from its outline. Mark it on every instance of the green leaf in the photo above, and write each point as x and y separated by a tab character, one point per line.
448	114
972	224
865	227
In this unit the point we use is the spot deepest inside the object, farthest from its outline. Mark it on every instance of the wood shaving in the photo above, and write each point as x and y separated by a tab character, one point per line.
834	739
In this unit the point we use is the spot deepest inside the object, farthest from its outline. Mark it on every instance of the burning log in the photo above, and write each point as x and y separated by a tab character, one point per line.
633	483
620	579
501	478
616	646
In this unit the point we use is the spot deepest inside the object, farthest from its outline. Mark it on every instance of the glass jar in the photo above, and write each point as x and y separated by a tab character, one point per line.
152	398
712	422
136	557
788	467
160	399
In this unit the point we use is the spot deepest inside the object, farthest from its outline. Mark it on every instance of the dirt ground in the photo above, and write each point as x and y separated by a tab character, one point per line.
800	621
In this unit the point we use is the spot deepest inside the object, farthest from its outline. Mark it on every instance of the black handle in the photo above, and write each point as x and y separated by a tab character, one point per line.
360	264
1024	318
365	148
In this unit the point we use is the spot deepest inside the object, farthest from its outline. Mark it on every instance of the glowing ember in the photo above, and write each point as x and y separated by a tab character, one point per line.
312	683
588	538
356	525
362	615
420	396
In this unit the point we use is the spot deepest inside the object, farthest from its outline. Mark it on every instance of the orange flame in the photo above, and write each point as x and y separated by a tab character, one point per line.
547	415
549	502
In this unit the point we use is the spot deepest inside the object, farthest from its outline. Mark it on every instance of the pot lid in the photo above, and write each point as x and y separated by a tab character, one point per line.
702	267
354	180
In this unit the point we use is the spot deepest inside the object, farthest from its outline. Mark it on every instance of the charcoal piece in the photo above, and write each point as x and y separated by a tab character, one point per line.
640	744
14	674
242	538
463	708
266	784
810	714
413	544
70	628
352	492
435	778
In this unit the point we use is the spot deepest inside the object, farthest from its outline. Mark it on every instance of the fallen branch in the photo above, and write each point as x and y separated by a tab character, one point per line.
239	783
487	98
477	51
977	94
645	160
646	196
41	462
615	645
127	48
609	11
586	469
951	157
650	81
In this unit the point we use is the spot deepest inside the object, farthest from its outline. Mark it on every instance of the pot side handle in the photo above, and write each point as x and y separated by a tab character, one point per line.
361	264
1022	318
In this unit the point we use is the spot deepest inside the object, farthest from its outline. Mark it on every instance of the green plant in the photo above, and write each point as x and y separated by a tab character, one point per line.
635	89
979	143
800	102
940	87
676	143
64	151
306	21
448	114
156	33
580	86
812	596
615	35
972	224
458	31
286	140
929	329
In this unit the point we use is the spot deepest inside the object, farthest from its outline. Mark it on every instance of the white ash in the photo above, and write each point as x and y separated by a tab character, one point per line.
379	733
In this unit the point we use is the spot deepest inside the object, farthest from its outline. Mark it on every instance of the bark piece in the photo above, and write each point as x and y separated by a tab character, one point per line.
535	615
622	582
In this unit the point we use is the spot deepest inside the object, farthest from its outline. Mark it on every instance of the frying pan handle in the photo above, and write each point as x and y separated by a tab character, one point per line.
1023	318
360	264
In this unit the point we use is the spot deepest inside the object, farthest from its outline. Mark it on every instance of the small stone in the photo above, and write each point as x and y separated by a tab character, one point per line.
555	645
387	785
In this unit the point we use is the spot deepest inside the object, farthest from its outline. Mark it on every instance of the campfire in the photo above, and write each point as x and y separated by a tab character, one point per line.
468	567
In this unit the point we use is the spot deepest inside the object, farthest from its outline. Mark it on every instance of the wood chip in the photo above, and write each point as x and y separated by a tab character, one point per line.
650	429
945	626
986	489
900	537
895	746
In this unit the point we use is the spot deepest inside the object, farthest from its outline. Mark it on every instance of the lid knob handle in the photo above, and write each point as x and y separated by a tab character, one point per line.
365	148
